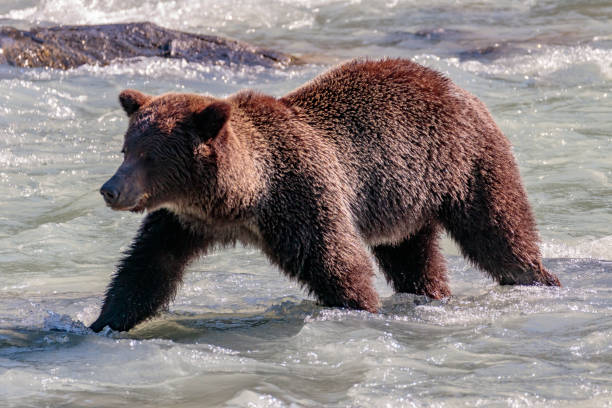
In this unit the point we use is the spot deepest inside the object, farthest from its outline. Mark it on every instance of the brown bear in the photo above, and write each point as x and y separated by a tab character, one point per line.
378	155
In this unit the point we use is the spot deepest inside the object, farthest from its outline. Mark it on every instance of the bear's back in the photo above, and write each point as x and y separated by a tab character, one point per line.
356	93
398	129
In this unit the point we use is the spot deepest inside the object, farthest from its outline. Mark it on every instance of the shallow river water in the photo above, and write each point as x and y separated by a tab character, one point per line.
239	333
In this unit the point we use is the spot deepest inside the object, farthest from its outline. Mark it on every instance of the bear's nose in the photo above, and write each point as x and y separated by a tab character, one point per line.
110	194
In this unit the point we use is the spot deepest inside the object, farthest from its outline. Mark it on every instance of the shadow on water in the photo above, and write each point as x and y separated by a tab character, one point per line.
279	321
237	331
18	344
283	320
231	329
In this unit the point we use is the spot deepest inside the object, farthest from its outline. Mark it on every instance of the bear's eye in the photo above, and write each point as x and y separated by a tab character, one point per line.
124	151
147	157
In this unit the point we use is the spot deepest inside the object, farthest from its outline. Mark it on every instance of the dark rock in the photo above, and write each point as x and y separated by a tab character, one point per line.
433	35
425	38
490	53
65	47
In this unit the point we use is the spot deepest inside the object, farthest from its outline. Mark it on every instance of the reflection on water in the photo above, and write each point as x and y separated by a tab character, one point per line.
241	334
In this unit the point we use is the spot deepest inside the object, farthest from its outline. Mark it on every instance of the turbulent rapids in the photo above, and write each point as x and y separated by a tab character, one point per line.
237	334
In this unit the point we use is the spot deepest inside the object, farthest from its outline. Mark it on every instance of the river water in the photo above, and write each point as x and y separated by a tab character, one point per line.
239	333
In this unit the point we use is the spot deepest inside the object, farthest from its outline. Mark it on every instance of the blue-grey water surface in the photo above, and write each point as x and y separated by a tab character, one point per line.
239	333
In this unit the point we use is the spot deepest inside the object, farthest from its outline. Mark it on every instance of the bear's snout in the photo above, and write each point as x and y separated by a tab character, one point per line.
123	193
110	192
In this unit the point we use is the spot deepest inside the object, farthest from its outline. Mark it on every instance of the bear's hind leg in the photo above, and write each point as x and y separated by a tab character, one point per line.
495	228
415	265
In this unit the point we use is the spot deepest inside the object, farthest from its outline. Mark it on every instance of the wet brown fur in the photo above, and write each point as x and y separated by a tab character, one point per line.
370	157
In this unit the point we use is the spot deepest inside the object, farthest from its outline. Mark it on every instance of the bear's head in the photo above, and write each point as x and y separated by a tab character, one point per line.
169	148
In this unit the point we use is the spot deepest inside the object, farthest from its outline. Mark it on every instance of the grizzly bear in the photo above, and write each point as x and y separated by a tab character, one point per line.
372	155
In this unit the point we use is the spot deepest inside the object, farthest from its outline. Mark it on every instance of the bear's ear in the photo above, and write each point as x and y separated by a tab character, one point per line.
210	120
131	100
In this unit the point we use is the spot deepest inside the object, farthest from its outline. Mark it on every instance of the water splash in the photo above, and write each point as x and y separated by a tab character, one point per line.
64	323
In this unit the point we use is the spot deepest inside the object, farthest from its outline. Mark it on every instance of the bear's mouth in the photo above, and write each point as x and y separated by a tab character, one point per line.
139	207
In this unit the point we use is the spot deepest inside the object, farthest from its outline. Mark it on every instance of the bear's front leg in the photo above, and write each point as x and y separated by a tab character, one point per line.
148	276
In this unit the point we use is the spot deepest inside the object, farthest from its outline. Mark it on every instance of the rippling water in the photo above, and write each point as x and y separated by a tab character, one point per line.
239	333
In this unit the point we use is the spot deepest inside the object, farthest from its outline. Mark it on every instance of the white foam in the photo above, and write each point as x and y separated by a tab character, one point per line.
181	14
251	399
566	247
9	159
156	67
538	64
594	248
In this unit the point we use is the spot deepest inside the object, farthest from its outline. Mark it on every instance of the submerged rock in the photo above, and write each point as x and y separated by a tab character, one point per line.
65	47
463	44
